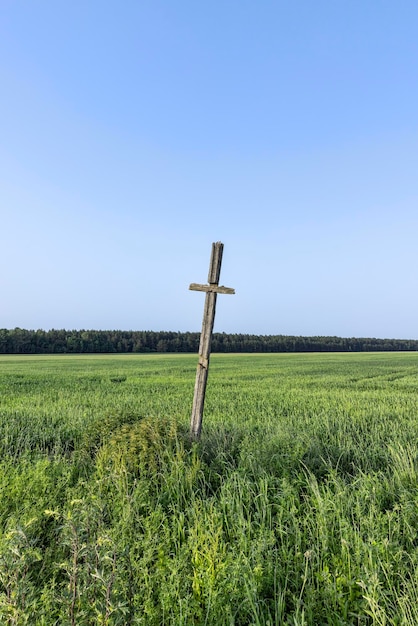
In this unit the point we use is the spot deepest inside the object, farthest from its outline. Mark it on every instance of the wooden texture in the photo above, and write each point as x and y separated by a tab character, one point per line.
212	290
215	263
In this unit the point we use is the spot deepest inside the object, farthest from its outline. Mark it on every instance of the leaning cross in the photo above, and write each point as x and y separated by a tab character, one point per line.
212	289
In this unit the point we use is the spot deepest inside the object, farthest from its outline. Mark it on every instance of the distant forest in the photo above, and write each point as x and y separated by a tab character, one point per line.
20	341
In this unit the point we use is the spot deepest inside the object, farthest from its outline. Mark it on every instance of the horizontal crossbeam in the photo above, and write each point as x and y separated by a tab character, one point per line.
211	288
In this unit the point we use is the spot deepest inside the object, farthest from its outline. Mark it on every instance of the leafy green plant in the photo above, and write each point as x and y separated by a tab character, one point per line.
298	505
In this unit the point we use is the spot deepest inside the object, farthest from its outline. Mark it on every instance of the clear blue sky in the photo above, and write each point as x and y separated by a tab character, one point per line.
134	134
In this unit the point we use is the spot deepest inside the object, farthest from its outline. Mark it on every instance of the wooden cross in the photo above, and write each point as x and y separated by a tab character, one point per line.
212	290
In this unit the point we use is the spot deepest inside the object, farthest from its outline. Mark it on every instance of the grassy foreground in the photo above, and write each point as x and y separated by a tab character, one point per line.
299	505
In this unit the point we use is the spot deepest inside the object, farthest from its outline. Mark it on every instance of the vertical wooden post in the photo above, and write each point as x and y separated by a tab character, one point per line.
212	290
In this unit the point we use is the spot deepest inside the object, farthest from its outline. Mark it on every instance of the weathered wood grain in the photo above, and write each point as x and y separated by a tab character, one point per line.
212	290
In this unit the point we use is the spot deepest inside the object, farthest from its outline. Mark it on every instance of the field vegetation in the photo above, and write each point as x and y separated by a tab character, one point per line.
299	506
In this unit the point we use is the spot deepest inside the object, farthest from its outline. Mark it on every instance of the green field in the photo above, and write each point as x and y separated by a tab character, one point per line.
298	506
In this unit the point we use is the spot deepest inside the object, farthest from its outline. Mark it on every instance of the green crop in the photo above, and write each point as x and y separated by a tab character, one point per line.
298	506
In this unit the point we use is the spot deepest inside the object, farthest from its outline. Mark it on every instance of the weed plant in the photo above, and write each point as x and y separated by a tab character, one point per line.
299	506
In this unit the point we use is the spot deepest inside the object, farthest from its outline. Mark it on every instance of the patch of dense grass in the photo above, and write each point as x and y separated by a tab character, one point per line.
298	506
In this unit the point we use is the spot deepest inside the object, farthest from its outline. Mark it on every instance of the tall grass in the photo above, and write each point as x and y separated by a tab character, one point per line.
298	506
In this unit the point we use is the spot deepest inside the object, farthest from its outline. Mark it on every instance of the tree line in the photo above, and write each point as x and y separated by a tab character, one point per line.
21	341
